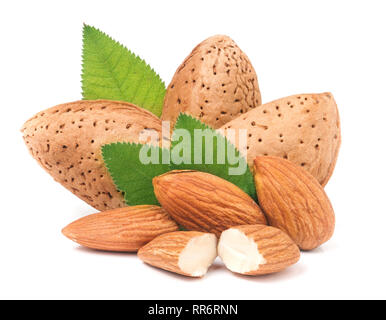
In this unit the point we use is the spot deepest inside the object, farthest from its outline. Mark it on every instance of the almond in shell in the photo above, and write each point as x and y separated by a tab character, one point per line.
303	128
66	141
215	84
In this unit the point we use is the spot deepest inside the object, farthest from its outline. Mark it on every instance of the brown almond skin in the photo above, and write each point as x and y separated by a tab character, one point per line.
294	201
164	251
303	128
122	229
215	84
66	141
274	245
203	202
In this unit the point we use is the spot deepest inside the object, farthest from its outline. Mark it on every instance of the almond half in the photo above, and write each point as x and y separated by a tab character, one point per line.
123	229
257	250
189	253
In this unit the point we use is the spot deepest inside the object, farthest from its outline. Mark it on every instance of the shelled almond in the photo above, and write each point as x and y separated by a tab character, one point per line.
294	201
123	229
203	202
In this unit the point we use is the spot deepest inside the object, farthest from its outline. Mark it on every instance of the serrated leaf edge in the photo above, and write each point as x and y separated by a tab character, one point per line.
135	56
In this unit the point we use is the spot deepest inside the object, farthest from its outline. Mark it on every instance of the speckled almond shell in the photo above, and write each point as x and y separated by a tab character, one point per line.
66	140
304	129
215	84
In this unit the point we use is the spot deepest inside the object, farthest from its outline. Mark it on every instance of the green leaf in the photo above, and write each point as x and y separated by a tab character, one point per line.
111	71
221	165
134	178
129	174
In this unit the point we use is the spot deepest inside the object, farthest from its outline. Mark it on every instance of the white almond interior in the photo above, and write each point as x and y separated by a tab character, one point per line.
238	252
198	255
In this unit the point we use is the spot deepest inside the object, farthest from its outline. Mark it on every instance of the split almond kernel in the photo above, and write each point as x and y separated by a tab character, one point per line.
294	201
123	230
188	253
203	202
257	250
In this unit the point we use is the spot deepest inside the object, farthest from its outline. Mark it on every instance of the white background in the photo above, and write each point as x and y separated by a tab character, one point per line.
295	46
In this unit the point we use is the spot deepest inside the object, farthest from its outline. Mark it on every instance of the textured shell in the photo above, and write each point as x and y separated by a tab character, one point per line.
277	248
215	83
164	251
303	128
203	202
66	140
122	229
294	202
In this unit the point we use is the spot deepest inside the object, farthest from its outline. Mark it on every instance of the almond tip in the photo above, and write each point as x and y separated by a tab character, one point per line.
67	233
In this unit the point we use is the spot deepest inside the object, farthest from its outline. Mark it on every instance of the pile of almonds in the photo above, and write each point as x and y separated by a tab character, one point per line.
292	202
292	149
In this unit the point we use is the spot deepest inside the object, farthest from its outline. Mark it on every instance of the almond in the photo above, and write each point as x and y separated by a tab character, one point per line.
203	202
215	83
257	250
122	229
304	129
66	140
294	201
188	253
